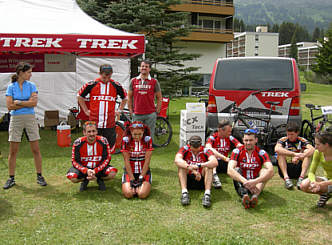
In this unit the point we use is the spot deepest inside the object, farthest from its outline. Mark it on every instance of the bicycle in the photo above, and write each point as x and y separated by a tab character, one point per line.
163	130
308	128
267	136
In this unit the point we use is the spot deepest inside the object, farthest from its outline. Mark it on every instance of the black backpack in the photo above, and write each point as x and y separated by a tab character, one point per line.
4	122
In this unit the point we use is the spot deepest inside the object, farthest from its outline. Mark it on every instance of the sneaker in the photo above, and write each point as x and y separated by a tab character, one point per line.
216	182
10	183
298	183
288	184
41	181
206	201
323	200
253	201
246	201
101	184
84	185
185	199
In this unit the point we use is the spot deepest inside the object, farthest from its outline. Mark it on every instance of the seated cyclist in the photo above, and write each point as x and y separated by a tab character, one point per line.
195	166
137	150
91	156
250	168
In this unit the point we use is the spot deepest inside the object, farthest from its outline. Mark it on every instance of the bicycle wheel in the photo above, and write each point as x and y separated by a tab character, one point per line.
119	131
277	133
163	132
272	138
307	131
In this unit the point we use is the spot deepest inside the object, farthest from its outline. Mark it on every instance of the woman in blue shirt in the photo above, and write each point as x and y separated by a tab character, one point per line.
21	98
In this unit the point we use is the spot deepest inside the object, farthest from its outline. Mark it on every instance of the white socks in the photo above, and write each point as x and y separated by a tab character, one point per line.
208	192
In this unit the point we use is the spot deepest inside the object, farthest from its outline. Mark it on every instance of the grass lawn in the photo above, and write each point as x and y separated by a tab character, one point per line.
59	214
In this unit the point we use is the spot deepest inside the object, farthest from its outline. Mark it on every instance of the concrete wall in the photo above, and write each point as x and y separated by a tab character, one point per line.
209	53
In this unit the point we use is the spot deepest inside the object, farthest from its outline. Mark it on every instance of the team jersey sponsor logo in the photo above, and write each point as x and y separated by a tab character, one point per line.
104	140
103	98
249	165
143	86
147	138
261	153
77	142
91	158
236	151
126	139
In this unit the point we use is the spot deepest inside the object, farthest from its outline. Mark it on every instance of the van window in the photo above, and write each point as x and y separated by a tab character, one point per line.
253	74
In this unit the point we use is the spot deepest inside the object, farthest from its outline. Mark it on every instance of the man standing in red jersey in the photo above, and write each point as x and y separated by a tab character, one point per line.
103	93
143	90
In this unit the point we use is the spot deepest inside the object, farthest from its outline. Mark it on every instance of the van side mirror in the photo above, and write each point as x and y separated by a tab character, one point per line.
303	87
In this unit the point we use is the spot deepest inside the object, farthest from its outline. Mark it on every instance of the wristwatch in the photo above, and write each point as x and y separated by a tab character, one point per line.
199	165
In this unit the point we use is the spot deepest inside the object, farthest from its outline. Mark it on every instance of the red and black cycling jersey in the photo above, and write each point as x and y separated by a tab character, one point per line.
102	101
192	159
223	146
137	150
299	145
91	156
250	165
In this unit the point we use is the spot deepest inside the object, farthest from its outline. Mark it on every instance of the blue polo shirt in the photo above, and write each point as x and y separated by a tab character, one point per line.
23	94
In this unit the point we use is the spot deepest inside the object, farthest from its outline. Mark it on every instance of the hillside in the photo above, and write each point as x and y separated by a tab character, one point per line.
307	13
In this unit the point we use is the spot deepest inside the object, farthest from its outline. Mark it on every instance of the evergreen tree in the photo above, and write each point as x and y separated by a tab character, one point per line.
316	34
324	58
286	31
293	49
275	28
163	30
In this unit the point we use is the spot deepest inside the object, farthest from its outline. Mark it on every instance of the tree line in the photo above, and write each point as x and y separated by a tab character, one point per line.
287	31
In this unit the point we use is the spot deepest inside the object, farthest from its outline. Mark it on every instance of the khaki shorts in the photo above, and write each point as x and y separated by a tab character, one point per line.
19	123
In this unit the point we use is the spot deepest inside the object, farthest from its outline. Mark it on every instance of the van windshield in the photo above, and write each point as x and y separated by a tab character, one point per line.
253	74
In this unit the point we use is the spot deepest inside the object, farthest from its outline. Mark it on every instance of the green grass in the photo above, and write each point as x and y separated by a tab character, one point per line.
59	214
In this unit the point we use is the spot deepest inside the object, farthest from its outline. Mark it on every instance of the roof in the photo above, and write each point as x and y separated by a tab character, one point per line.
45	19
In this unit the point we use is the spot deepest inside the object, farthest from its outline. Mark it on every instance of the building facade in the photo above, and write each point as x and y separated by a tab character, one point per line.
212	22
306	53
253	44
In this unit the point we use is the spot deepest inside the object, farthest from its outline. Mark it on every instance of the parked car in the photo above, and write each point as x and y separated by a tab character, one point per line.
250	82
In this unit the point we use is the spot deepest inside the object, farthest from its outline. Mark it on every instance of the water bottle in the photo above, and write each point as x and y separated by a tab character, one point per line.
253	126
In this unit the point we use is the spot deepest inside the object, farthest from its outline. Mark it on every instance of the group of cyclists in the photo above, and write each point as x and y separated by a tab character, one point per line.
198	166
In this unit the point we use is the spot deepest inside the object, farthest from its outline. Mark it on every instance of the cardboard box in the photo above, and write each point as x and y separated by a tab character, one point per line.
193	121
51	118
185	136
195	107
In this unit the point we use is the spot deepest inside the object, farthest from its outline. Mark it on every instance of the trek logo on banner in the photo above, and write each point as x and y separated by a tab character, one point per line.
58	42
35	42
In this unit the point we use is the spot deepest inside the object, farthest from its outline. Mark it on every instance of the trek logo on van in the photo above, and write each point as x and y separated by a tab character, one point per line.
275	94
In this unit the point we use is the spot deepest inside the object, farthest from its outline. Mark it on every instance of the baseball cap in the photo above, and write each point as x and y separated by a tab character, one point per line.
106	69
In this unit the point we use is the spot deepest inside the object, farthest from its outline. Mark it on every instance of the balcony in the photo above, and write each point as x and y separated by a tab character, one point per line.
220	7
210	35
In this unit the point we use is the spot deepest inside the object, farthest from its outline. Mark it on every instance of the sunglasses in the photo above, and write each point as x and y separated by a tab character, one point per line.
250	131
137	125
107	69
90	123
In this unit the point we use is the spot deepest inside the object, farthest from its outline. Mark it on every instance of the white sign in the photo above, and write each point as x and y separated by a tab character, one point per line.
193	121
326	110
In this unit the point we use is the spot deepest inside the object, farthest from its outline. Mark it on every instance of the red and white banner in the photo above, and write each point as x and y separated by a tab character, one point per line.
79	44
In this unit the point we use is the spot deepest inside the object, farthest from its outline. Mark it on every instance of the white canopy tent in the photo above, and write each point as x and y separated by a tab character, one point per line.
66	47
